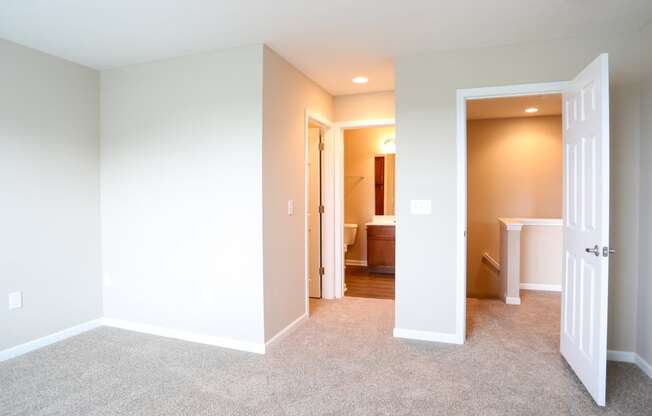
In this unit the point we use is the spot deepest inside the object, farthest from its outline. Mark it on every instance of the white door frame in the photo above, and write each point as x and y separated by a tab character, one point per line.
327	218
464	95
336	175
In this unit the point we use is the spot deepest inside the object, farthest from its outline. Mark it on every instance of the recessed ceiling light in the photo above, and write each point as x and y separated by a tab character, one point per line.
531	110
360	80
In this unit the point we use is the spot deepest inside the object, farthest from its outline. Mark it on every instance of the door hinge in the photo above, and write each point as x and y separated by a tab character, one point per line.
606	251
321	270
321	147
321	209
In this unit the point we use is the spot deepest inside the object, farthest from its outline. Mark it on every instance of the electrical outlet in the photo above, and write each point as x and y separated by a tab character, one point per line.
290	207
420	207
15	300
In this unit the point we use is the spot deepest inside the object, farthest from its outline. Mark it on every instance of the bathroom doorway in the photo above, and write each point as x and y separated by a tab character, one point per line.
369	156
332	230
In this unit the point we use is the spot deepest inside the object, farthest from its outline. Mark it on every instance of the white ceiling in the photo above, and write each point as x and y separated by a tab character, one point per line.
490	108
331	40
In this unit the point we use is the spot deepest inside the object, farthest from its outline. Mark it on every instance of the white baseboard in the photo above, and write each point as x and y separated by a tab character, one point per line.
48	339
630	357
621	356
643	365
233	344
427	336
540	286
512	300
287	330
351	262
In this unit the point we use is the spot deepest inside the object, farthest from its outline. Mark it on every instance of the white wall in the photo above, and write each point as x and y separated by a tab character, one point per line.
182	194
426	168
49	194
644	341
542	254
287	95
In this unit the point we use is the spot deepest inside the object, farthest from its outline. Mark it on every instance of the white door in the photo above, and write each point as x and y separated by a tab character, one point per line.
314	218
586	226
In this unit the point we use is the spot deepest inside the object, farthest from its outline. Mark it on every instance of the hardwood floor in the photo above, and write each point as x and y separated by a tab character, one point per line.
362	284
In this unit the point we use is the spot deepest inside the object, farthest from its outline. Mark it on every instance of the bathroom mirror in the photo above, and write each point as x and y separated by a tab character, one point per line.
384	168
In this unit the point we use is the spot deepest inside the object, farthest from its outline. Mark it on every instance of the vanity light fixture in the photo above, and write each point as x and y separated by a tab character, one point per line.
531	110
360	80
389	146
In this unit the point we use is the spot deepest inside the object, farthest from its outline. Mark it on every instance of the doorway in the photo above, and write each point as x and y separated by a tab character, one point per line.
514	224
514	192
331	161
369	156
586	251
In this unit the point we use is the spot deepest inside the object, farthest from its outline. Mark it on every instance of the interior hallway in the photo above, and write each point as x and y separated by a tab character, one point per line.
344	360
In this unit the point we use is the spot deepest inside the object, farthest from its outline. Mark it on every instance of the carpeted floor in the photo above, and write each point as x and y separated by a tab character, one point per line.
343	361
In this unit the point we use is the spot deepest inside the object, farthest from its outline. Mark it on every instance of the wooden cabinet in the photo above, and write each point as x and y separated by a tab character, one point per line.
381	246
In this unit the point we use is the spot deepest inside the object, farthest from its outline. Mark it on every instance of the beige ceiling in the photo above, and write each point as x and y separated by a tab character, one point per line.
548	105
330	41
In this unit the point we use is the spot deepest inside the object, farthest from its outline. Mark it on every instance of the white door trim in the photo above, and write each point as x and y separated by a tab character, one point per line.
327	126
336	175
463	95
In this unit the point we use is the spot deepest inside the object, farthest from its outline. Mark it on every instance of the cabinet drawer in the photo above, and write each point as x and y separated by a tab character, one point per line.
381	231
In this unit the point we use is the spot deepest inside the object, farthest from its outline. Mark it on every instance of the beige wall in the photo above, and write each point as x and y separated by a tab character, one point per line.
49	194
287	93
514	171
426	254
360	147
644	341
364	106
181	180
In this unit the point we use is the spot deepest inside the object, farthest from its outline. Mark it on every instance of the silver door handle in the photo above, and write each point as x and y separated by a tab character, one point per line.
595	250
606	251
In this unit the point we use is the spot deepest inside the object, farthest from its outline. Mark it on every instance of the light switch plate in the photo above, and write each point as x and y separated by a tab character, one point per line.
290	207
15	300
420	207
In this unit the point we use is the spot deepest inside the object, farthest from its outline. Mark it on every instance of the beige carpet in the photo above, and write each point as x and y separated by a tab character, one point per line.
343	361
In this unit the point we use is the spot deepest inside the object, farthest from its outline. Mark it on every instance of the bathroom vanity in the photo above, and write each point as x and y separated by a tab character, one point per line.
381	244
381	231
